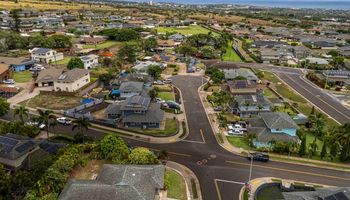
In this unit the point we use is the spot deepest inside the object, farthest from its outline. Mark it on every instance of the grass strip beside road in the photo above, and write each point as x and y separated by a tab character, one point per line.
176	185
170	129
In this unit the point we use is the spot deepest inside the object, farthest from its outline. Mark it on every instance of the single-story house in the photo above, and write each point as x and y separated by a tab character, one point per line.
317	61
137	182
130	88
142	67
232	74
272	126
247	105
5	72
18	64
90	61
328	193
18	151
237	87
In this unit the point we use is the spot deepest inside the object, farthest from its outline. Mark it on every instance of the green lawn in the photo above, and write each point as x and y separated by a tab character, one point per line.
103	45
22	77
270	77
239	142
176	188
170	128
269	94
167	96
189	30
289	94
65	61
230	54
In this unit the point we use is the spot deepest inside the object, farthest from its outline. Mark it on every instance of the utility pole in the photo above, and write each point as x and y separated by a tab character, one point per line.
251	168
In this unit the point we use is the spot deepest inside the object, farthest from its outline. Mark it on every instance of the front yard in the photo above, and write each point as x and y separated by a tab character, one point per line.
176	185
22	77
167	96
65	61
52	102
170	128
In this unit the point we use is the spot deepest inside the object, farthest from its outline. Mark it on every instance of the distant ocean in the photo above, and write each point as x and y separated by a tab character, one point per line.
325	4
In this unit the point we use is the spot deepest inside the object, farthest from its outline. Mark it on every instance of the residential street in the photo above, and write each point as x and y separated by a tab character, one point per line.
221	173
324	101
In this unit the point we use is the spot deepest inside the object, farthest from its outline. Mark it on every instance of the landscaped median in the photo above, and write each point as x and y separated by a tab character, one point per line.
270	188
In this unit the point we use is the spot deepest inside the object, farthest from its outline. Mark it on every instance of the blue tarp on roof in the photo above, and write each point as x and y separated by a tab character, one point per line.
115	92
87	100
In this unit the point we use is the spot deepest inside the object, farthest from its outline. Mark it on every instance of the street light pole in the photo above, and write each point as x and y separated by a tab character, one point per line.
251	167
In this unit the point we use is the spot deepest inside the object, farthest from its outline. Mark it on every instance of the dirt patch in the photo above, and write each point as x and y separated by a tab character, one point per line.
89	171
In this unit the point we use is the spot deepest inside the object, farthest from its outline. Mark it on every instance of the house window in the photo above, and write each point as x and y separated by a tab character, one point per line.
87	80
278	129
138	111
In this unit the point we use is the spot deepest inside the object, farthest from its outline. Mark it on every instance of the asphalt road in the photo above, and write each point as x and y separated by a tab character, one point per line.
221	173
318	97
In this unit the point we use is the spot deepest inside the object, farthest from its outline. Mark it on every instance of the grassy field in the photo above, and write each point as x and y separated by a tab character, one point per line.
103	45
65	61
22	77
167	96
270	193
230	54
177	187
170	128
52	102
189	30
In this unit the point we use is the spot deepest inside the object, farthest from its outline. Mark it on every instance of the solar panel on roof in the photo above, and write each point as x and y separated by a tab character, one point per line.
25	146
8	141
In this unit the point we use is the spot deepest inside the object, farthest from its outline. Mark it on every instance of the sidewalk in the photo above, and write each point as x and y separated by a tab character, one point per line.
275	157
188	175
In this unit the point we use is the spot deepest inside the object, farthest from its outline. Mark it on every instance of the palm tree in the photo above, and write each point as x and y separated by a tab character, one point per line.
21	112
344	139
82	124
46	117
317	128
250	137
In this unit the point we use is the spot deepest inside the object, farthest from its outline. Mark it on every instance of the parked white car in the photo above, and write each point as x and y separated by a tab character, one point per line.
235	132
40	125
64	120
9	81
168	81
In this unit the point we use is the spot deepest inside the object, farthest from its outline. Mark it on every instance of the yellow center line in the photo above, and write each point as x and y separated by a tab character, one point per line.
175	153
290	170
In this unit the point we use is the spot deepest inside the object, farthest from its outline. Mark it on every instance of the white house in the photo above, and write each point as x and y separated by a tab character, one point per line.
72	80
90	61
45	55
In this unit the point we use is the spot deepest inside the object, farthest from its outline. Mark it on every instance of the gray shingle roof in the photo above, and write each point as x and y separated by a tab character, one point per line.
40	50
316	195
73	75
153	115
131	86
48	75
278	120
118	182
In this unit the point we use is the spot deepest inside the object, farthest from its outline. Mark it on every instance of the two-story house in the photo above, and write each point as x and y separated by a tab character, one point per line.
136	112
273	127
45	55
90	61
72	80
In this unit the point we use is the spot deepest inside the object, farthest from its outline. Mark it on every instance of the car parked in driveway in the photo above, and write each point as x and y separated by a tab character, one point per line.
9	81
64	120
41	126
258	157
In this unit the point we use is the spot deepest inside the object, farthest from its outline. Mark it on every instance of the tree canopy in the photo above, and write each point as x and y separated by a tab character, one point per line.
75	63
142	156
113	148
